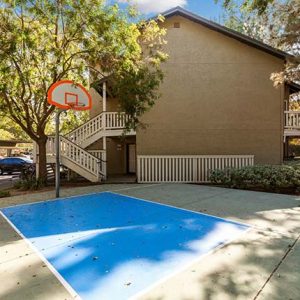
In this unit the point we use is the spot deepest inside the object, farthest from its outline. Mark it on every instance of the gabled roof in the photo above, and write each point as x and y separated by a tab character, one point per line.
179	11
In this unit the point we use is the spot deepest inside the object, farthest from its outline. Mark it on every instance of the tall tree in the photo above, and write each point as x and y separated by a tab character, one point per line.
252	5
44	41
277	25
9	130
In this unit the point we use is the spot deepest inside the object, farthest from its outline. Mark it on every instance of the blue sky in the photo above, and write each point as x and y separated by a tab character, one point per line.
205	8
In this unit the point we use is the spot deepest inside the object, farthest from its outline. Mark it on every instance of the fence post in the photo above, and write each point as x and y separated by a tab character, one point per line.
138	169
195	170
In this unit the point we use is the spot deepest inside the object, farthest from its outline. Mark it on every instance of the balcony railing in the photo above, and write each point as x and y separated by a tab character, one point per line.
292	119
103	121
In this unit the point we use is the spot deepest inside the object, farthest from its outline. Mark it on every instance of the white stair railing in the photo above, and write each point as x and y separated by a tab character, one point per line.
101	155
93	161
292	119
98	153
86	130
105	120
115	120
77	155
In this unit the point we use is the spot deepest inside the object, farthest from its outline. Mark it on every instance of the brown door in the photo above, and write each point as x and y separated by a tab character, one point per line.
131	158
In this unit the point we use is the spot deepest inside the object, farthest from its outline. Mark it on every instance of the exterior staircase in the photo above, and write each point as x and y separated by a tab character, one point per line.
91	164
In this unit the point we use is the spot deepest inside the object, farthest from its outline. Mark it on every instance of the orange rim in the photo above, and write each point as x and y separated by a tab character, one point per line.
58	83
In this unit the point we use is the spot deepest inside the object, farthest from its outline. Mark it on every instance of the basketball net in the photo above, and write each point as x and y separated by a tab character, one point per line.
73	104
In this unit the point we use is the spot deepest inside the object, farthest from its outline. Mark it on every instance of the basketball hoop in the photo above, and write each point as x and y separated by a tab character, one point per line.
74	106
66	94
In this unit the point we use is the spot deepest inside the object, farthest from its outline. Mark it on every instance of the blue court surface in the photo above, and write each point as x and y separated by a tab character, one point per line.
109	246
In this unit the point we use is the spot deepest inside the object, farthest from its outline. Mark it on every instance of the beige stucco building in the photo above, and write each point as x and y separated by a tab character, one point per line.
217	100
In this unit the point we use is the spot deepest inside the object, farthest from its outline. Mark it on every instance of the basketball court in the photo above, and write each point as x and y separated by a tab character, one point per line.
110	246
109	242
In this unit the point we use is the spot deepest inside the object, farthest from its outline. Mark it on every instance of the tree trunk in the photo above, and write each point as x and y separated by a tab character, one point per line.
42	159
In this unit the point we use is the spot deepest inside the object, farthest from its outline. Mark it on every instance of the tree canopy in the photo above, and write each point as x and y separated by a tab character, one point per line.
44	41
259	5
277	25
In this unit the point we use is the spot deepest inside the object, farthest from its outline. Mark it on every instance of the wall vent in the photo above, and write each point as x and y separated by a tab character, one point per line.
176	25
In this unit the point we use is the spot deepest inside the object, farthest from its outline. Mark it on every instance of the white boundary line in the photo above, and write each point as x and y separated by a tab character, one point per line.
256	227
198	259
145	291
186	266
65	284
184	209
88	194
68	286
59	277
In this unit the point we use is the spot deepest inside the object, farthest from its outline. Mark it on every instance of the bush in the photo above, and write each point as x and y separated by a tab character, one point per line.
29	184
265	176
4	194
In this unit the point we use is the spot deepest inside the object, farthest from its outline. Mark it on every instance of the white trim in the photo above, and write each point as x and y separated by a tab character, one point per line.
69	288
72	291
148	186
256	227
88	194
181	208
65	284
186	266
104	96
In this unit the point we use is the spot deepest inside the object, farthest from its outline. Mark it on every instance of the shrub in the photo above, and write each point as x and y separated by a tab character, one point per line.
29	184
4	194
265	176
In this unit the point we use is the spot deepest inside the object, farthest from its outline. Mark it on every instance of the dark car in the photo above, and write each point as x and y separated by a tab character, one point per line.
14	164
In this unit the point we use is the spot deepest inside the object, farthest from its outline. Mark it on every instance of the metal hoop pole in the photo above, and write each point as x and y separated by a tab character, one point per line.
57	153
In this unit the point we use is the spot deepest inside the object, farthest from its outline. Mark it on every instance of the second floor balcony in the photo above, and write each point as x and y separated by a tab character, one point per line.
292	119
291	123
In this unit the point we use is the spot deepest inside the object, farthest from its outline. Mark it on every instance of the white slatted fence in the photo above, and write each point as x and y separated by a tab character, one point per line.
186	168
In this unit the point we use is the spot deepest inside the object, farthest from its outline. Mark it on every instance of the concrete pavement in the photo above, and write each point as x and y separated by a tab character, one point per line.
263	263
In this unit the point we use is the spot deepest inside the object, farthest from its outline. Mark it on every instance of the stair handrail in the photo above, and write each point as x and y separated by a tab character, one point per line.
81	130
104	120
87	154
62	136
100	122
76	128
97	160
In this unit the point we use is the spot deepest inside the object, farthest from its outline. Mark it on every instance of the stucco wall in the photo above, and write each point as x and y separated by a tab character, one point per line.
96	103
112	104
217	98
116	153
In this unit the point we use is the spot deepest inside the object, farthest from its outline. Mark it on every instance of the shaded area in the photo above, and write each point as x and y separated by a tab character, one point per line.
110	246
237	271
23	275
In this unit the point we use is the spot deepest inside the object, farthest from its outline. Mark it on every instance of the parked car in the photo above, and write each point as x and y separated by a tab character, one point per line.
14	164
